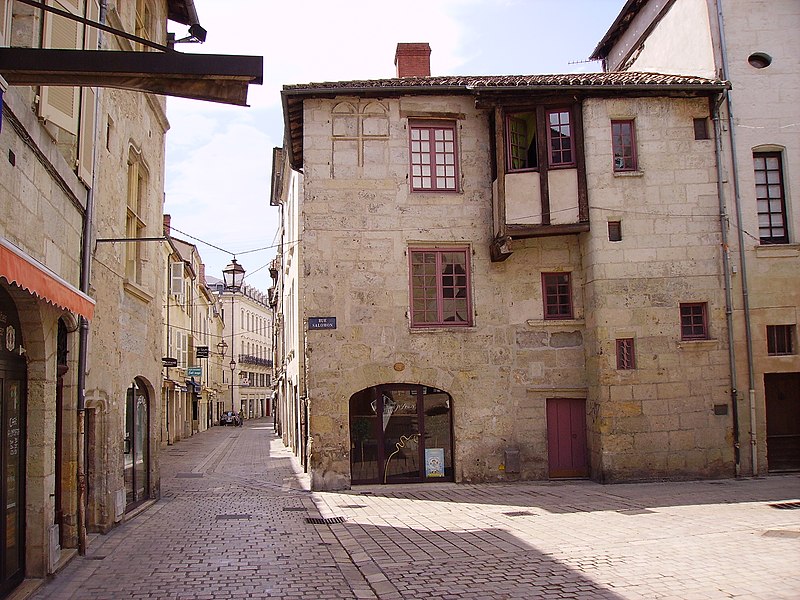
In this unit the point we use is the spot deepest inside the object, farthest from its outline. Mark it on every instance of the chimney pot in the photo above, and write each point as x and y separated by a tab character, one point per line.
167	225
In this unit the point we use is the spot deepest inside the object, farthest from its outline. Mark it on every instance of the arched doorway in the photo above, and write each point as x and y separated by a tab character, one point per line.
13	401
136	444
401	433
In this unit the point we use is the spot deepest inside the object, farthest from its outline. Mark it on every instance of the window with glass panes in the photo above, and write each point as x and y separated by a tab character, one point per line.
522	150
623	145
770	198
560	137
440	291
694	321
557	295
433	153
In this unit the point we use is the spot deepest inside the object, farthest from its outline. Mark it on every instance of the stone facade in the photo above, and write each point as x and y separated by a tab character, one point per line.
506	373
755	46
87	349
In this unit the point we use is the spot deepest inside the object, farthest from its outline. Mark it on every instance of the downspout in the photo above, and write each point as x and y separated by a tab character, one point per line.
83	336
726	267
742	254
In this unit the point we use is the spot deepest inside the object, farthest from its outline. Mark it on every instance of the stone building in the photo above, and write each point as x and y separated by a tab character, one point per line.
755	46
492	278
81	269
248	333
193	330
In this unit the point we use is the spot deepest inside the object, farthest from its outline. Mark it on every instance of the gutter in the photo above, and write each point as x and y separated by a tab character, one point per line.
742	254
726	267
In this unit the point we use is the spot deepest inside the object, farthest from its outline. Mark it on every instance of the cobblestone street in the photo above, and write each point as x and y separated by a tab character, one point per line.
236	520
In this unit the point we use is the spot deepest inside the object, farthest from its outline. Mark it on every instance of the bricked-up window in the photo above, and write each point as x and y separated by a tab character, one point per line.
780	340
770	198
434	165
694	321
626	358
560	138
557	295
623	145
440	288
522	149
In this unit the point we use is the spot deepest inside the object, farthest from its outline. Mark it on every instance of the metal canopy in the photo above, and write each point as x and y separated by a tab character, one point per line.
210	77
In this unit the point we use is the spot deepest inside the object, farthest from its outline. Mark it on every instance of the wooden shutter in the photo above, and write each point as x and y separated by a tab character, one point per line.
176	280
59	104
5	22
86	132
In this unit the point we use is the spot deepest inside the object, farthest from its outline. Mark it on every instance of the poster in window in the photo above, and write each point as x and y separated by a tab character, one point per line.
434	462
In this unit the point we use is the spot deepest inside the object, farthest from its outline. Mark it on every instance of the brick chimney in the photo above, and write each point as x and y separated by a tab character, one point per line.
413	60
202	274
167	225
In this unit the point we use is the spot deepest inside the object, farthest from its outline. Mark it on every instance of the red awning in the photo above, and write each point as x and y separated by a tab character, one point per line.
18	268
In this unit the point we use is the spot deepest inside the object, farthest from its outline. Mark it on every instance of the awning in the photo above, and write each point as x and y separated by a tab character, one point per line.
211	77
28	273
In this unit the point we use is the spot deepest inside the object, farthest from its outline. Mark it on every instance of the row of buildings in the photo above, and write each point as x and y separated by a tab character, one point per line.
102	311
492	278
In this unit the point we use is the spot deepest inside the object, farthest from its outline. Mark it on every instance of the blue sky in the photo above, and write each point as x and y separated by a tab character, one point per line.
219	158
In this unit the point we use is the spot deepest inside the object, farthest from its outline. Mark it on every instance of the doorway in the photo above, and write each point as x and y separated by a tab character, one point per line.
567	454
136	446
782	397
401	433
13	406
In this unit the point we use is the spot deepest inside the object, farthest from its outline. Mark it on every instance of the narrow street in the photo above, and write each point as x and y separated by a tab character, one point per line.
236	520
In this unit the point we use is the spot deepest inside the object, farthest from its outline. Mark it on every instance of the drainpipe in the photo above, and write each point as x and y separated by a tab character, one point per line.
83	336
726	267
742	254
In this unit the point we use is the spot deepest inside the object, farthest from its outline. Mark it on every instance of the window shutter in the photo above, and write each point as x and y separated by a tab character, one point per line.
86	141
5	22
59	104
176	280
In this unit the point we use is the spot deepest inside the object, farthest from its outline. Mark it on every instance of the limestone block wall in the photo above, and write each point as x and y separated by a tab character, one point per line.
126	339
357	224
658	419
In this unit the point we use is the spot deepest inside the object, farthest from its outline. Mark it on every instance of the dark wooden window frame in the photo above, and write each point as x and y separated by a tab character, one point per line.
446	287
557	295
694	321
433	153
772	221
623	145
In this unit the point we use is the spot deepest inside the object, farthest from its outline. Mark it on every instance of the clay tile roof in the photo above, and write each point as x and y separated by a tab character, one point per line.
469	83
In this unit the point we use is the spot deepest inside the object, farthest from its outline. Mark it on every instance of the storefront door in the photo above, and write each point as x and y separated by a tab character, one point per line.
401	434
13	375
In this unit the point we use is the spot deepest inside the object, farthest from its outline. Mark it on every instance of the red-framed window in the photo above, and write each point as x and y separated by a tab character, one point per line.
433	156
770	198
626	357
694	321
560	137
440	287
557	295
780	340
521	140
623	145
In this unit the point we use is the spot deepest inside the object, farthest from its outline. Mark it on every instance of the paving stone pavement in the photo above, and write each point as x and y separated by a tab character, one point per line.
232	523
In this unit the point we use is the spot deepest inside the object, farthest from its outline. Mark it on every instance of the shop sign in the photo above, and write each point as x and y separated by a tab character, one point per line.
194	372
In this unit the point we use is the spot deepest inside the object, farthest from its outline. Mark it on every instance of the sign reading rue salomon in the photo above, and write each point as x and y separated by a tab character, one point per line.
322	323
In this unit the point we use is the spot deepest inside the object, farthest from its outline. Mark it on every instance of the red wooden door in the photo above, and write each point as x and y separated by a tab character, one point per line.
566	437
